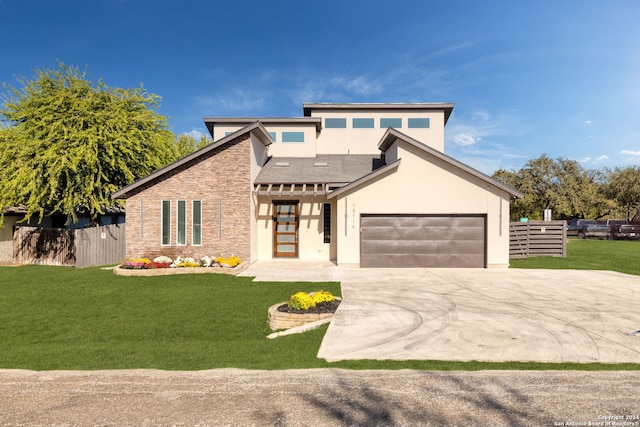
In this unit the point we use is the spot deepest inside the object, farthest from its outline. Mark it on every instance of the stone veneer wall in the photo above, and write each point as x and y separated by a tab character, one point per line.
220	175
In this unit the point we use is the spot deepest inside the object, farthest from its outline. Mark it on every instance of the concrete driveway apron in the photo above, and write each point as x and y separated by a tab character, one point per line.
476	314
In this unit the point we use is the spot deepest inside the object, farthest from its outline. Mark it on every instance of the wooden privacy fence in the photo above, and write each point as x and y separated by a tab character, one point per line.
537	238
79	248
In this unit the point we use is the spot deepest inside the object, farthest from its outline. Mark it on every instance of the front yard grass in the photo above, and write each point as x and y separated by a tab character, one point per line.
591	254
55	318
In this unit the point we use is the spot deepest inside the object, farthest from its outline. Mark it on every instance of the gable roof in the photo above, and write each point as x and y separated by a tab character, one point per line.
447	107
391	135
255	128
323	168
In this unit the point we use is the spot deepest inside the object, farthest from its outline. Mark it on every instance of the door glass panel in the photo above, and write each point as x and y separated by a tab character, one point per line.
287	248
286	227
286	209
286	238
286	218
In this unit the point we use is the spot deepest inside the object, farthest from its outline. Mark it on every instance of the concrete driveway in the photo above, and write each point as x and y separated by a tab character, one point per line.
475	314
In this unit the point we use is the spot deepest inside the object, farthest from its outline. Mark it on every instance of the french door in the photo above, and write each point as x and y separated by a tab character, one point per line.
285	229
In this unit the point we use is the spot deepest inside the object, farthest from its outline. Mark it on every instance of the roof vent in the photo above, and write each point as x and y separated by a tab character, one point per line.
321	165
282	164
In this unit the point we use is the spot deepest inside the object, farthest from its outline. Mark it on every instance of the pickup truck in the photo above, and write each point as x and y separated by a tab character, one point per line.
584	228
622	229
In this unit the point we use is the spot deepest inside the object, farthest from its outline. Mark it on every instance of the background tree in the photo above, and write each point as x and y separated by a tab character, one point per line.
67	143
580	192
623	186
561	185
186	144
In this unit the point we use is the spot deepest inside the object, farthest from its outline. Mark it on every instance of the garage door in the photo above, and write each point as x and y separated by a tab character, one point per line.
422	241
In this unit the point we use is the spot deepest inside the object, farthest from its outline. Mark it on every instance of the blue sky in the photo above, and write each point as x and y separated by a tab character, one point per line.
527	78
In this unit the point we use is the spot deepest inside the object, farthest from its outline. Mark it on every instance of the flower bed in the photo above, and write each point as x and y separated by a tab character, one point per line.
302	308
163	265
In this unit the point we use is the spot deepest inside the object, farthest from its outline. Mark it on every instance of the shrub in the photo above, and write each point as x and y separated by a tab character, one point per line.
322	297
232	261
306	301
301	301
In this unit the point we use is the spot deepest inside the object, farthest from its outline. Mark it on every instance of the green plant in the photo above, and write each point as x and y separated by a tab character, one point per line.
301	301
322	297
306	301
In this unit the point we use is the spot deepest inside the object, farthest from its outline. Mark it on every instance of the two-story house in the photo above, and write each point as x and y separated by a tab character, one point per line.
362	185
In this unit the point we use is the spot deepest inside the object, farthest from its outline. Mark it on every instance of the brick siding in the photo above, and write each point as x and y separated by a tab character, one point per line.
220	175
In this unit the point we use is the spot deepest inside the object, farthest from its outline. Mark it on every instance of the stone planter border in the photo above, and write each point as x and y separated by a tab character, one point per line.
180	270
281	320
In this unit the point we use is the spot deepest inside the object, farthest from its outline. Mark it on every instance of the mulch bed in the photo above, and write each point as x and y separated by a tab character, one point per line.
329	307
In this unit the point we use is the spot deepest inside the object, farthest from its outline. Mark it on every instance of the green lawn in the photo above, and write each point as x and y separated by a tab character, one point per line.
65	318
591	254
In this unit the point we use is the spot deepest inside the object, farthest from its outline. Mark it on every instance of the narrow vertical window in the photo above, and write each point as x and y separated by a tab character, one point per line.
181	223
196	221
166	222
326	221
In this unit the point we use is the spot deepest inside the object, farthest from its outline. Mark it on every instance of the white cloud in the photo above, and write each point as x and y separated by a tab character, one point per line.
631	152
479	124
358	85
464	139
195	133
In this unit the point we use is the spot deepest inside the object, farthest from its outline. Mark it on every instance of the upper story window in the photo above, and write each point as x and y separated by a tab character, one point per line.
334	123
273	136
292	136
395	123
362	123
415	123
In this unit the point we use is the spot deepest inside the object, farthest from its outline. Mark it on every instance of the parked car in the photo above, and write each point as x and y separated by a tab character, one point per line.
584	228
623	229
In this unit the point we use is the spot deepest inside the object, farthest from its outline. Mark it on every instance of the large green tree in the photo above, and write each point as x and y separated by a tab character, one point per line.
561	185
623	186
67	142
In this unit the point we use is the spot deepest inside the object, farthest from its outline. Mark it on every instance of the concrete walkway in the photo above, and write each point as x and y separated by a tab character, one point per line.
475	314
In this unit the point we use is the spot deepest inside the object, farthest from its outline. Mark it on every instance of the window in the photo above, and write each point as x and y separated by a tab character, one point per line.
419	123
326	221
335	123
292	136
273	136
196	222
227	133
395	123
181	223
363	123
166	222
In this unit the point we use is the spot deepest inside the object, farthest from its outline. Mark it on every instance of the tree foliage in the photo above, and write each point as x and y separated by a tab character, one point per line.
186	144
561	185
623	186
67	143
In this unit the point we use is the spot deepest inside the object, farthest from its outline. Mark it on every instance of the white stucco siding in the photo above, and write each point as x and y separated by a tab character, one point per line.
350	140
259	154
423	185
311	244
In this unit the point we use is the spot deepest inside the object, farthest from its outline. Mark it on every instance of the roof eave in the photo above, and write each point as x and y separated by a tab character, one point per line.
446	107
210	122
